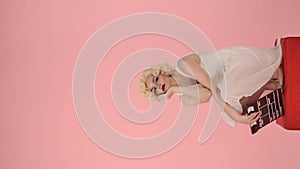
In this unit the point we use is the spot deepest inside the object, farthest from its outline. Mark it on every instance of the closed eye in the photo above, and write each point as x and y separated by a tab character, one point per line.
155	79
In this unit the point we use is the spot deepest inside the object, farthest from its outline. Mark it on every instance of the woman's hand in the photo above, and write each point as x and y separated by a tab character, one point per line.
238	117
248	119
168	94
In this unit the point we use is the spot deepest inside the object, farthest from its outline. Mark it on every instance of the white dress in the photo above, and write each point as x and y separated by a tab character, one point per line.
239	71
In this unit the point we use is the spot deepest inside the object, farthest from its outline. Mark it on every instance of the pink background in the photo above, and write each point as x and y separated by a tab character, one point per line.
40	42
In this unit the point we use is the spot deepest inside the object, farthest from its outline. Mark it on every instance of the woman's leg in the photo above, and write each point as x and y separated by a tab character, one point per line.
278	75
275	75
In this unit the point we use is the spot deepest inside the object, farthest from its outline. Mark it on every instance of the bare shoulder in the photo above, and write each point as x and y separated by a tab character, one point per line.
192	58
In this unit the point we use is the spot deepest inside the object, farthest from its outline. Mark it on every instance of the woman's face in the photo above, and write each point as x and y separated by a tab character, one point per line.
158	84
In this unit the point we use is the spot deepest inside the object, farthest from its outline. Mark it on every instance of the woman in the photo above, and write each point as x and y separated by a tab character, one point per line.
245	72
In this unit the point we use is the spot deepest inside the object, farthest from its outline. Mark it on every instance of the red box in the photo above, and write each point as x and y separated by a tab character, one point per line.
291	86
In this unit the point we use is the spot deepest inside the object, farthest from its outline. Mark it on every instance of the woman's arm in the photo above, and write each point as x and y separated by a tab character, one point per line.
191	95
191	66
236	116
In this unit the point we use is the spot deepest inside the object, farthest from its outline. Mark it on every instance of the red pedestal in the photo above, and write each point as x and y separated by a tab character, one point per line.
291	85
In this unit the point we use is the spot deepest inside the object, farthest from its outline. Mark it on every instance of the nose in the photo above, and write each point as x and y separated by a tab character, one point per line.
158	86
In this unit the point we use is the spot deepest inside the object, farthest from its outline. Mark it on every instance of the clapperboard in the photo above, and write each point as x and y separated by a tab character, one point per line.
270	107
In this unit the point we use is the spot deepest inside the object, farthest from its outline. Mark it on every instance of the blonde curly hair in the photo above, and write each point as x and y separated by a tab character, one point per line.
164	69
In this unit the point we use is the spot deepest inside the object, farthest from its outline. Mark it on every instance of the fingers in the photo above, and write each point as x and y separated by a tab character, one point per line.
257	117
251	118
160	98
254	117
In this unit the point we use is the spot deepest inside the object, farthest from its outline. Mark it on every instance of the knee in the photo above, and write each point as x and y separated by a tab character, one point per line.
271	85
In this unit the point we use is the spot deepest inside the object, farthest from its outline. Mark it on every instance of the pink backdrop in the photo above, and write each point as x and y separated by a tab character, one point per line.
40	42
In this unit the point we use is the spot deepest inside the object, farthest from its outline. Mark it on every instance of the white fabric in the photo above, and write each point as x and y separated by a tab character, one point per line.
239	71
